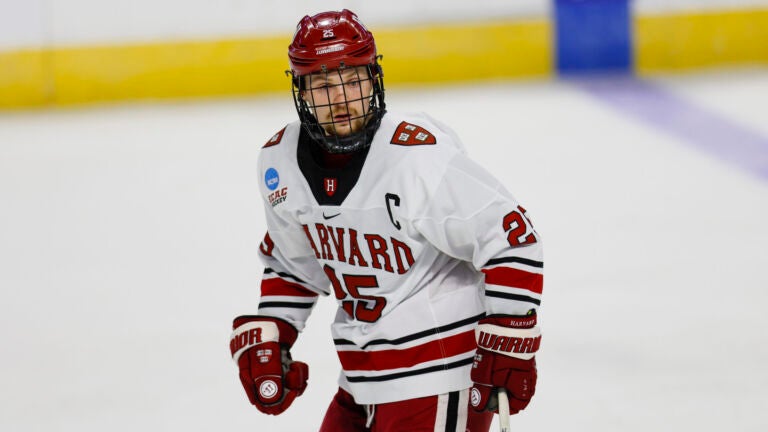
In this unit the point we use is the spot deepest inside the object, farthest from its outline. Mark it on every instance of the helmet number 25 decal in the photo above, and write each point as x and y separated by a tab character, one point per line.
519	228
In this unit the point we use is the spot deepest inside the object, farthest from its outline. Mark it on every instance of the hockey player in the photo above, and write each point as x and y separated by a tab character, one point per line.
436	269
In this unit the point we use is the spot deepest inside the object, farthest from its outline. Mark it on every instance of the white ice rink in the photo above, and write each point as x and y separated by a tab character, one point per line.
128	239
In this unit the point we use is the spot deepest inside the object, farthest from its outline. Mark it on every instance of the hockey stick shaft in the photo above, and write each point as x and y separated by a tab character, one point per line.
503	411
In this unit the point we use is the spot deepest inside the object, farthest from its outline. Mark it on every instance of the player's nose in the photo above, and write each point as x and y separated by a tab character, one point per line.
337	94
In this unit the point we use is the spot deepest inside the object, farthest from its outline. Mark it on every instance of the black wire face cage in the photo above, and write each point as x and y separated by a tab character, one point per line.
333	110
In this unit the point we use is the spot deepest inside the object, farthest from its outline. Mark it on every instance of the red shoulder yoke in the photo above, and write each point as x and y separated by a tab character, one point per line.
276	138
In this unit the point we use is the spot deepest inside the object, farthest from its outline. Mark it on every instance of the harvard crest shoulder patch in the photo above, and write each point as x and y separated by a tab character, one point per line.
409	134
276	138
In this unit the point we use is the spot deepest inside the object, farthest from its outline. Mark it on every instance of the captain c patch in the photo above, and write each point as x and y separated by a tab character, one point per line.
409	134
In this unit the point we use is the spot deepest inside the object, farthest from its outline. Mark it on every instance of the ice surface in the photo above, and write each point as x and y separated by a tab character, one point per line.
128	238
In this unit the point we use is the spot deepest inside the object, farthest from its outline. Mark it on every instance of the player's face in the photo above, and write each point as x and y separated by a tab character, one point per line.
340	99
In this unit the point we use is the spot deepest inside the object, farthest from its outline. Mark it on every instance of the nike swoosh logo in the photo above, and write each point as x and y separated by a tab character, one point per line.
330	217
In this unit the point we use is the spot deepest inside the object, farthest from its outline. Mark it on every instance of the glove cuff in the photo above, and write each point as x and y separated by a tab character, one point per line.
254	330
521	322
513	339
287	333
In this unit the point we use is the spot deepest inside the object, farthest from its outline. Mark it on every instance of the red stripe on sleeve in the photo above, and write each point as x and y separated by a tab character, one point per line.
404	358
281	287
515	278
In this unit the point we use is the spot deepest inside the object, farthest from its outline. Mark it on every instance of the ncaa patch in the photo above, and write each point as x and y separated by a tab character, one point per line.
271	179
276	138
409	134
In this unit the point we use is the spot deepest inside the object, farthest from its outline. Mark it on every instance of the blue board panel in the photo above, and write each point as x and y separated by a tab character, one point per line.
592	36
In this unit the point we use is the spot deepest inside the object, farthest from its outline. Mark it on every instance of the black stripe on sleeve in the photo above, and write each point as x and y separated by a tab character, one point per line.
282	274
508	296
526	261
267	305
517	297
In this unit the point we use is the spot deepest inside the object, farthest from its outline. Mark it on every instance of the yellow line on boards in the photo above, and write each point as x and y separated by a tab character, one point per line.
72	75
693	40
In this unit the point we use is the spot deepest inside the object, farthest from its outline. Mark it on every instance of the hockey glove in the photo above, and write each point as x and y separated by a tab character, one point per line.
505	359
260	348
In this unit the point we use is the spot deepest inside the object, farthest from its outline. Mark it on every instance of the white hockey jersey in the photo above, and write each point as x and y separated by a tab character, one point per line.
416	242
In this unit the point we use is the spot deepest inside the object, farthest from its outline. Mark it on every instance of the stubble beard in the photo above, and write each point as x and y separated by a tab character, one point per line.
350	122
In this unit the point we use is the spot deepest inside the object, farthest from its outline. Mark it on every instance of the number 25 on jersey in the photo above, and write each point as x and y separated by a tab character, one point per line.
362	307
519	228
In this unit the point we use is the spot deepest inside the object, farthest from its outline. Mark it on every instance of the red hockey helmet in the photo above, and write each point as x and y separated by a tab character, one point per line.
330	40
329	43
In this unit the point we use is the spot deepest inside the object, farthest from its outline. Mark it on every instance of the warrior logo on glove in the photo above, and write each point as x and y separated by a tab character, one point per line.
476	398
505	359
268	389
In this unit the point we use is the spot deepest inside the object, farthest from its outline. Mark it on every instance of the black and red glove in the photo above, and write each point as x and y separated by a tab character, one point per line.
260	347
506	346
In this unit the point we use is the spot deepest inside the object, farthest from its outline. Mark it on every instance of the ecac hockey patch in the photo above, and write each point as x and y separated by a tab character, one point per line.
276	138
410	134
278	196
